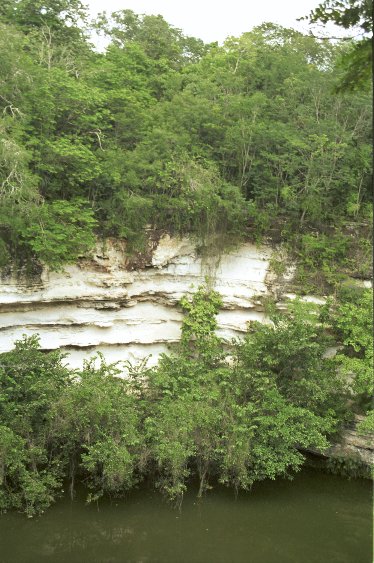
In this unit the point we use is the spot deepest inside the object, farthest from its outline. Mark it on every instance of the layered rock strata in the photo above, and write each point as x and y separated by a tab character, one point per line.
102	304
130	311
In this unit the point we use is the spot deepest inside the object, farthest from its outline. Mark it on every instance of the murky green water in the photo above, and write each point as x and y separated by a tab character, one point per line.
317	518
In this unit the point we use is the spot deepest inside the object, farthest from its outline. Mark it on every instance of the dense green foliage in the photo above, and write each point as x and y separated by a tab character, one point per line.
351	319
357	60
238	415
253	138
30	383
161	130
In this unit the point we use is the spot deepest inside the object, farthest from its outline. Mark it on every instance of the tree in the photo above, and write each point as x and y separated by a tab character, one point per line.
352	320
160	41
237	419
240	423
291	353
346	13
351	14
96	424
161	130
32	471
31	13
62	232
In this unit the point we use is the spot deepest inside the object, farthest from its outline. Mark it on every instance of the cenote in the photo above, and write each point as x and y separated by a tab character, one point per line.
315	518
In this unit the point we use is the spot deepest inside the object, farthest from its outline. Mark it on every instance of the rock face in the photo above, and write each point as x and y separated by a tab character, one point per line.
130	311
107	304
352	444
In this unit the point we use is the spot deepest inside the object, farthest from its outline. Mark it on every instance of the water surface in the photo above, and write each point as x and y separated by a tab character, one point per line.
316	518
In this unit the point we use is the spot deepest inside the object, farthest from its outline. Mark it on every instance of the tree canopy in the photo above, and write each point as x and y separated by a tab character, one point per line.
353	15
164	132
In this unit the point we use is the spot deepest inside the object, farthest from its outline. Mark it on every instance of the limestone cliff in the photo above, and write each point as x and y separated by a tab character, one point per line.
129	310
108	303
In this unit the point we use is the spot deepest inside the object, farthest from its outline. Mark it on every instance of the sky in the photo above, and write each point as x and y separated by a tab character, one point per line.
215	20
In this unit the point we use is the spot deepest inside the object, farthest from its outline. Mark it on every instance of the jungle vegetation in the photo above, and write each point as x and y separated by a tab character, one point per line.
237	415
267	136
252	138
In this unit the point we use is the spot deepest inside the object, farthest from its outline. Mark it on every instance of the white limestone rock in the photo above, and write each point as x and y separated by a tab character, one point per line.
170	248
100	304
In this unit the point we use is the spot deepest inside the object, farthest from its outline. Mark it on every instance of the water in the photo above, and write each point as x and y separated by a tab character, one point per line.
316	518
